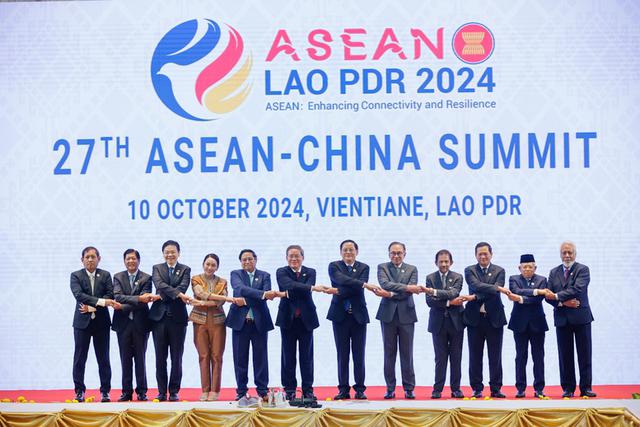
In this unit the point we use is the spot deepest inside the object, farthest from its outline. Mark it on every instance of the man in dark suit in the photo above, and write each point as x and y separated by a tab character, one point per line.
397	315
445	323
567	292
93	290
132	289
297	318
528	324
169	318
348	312
485	319
250	321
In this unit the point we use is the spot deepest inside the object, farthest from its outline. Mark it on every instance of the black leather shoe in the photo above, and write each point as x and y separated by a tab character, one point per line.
436	394
173	397
587	393
161	397
390	394
80	396
457	394
539	394
343	395
477	394
360	395
290	395
142	397
104	397
520	394
567	394
497	395
125	397
308	395
408	394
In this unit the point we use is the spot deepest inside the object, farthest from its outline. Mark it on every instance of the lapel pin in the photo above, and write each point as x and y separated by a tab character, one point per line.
401	271
177	272
135	283
489	274
304	274
450	280
354	270
97	274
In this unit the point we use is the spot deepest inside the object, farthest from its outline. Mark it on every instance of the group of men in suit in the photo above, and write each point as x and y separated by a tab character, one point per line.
129	294
250	321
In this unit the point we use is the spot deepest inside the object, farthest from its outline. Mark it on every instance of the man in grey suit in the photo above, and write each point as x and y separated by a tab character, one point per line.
445	323
397	316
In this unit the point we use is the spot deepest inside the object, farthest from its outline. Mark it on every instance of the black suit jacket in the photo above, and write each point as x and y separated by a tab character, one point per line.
168	288
129	299
349	282
299	297
483	286
530	312
81	289
438	303
575	287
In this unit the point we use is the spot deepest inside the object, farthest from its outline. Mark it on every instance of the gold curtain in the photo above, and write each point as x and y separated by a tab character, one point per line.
267	417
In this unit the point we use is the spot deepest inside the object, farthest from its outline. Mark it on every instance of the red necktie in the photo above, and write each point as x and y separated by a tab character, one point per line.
298	312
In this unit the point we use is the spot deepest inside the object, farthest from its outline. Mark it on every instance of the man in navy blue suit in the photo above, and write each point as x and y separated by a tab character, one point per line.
169	318
348	312
568	284
297	318
93	290
445	323
528	323
485	319
250	322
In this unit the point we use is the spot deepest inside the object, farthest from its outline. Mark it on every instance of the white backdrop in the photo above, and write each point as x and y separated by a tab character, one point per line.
82	70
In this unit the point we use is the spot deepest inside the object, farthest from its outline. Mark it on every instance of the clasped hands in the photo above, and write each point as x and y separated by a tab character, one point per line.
548	294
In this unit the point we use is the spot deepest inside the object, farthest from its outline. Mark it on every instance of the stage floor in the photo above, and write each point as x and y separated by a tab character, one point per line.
617	396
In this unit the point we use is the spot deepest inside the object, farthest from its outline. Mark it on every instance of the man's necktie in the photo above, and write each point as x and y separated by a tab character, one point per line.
443	279
298	312
132	279
170	271
484	271
250	312
566	274
92	281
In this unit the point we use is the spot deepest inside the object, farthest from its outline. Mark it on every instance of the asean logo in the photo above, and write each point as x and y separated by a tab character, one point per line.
473	43
201	72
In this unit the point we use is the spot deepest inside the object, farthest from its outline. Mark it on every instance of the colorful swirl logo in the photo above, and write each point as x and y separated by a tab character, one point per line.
200	72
